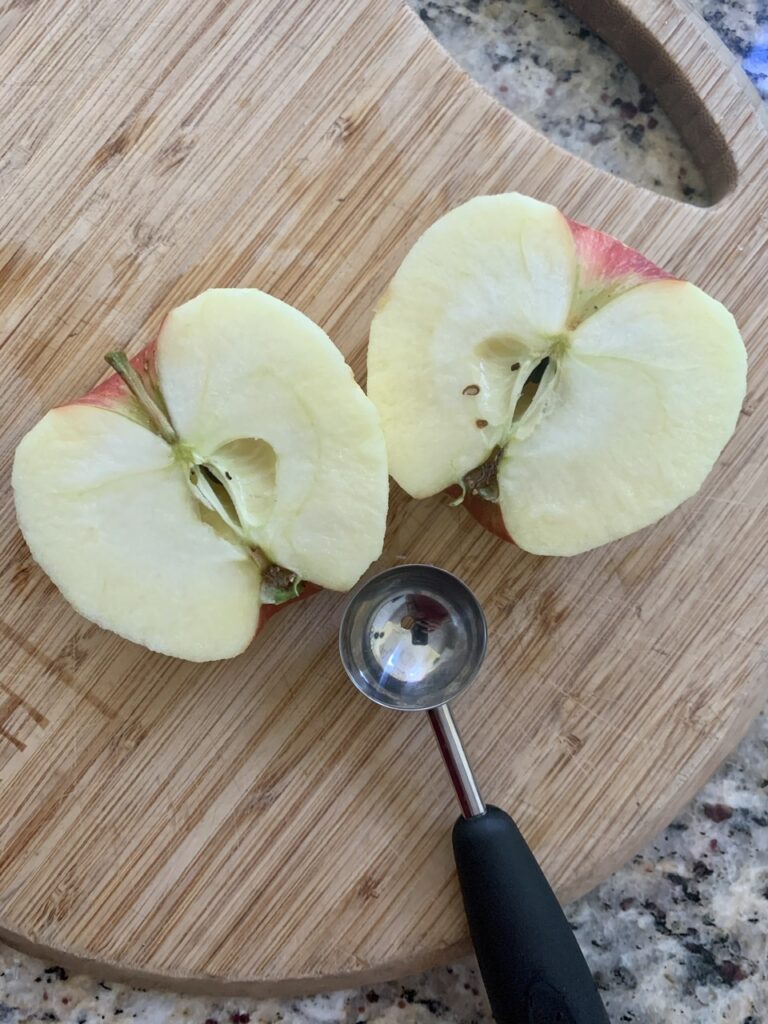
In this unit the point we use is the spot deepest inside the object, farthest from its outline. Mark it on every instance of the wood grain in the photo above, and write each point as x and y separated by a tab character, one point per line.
253	826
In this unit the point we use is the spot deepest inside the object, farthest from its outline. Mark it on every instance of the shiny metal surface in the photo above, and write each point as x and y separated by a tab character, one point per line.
411	639
456	761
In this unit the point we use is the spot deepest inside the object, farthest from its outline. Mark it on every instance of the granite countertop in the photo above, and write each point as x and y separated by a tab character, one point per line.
680	933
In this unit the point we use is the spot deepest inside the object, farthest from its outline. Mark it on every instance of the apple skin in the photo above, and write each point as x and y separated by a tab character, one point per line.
488	514
604	257
113	394
606	266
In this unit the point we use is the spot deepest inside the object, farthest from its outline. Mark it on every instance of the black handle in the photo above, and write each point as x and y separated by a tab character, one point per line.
533	969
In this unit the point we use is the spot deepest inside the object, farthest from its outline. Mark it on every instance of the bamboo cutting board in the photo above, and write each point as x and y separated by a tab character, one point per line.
253	825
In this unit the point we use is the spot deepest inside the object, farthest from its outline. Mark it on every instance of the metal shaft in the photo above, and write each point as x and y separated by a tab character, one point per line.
456	761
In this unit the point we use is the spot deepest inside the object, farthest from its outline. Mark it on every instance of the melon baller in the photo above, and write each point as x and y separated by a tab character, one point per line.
412	639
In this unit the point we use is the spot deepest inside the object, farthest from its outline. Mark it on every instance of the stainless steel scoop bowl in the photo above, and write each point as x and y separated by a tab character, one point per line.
412	639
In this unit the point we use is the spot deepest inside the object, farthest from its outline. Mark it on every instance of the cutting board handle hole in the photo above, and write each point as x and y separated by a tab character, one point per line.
620	110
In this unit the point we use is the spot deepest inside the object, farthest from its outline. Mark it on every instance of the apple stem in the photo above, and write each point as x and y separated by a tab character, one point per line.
123	368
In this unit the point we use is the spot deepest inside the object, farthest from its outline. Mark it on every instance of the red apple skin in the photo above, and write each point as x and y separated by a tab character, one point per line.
604	258
488	514
605	265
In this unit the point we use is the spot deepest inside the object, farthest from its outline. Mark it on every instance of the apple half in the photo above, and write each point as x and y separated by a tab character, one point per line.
208	479
570	390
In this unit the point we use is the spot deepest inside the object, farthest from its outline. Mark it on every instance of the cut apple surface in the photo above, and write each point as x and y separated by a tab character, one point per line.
547	369
210	477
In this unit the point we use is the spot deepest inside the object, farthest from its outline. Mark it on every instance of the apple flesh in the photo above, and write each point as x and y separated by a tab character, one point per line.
208	479
567	388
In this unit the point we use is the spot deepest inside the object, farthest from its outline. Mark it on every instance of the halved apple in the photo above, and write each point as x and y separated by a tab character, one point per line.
207	479
544	367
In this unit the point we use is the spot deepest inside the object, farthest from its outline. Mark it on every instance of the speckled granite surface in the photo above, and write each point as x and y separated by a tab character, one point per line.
680	933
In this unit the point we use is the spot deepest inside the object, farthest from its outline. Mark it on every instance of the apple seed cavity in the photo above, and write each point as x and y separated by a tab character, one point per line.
217	489
526	405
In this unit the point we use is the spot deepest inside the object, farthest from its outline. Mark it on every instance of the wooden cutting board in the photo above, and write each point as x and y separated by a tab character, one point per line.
254	825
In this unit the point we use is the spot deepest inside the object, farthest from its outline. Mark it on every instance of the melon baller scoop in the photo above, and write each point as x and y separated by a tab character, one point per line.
412	639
